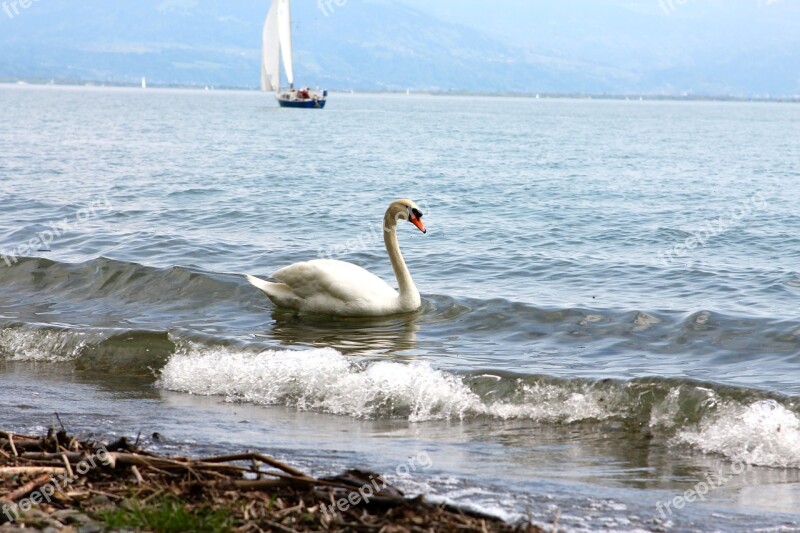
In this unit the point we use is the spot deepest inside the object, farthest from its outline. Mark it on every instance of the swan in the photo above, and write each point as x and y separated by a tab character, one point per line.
332	287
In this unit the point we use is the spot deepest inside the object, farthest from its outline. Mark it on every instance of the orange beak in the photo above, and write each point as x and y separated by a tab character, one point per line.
418	223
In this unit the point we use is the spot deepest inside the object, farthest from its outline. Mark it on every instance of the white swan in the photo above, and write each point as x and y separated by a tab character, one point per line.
331	287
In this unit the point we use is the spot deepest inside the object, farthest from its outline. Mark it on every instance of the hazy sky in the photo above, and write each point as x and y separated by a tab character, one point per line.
539	22
632	34
736	47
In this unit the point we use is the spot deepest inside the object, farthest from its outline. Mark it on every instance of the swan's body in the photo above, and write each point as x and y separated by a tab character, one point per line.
331	287
328	286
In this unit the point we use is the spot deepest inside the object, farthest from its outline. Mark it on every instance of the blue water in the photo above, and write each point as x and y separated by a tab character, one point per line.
609	291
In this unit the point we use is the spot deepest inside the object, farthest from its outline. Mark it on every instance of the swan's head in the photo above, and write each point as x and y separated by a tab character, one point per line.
405	209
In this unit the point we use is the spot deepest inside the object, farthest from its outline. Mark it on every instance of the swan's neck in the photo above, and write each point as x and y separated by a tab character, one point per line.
408	291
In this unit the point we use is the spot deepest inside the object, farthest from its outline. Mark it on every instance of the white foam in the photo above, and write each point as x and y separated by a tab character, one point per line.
325	380
488	507
18	344
763	433
760	433
553	403
318	379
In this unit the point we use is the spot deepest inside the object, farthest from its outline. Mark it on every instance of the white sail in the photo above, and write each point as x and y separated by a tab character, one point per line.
285	33
277	45
270	51
276	48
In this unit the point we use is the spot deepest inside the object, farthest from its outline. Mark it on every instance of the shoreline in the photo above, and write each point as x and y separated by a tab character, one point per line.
532	95
59	482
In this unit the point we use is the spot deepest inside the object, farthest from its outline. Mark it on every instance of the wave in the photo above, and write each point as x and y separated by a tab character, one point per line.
745	425
23	344
111	279
764	433
132	352
206	333
102	292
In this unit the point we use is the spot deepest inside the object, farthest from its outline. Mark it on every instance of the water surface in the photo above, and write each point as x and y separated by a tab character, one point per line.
610	292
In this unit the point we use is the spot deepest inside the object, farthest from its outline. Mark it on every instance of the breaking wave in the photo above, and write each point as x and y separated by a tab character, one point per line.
745	425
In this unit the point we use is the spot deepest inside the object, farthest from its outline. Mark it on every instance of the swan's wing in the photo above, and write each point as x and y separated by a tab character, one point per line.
336	279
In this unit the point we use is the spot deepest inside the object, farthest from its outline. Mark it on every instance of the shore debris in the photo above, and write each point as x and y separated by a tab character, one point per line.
58	482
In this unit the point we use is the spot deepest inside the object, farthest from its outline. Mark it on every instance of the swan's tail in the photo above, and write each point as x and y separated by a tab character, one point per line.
260	283
280	293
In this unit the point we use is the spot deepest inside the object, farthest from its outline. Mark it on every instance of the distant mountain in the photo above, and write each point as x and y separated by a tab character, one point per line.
597	46
735	47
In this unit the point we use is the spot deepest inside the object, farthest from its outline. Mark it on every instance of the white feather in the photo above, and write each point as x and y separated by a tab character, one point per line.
328	286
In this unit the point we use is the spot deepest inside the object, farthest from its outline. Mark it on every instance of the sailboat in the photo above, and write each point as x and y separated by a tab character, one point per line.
277	49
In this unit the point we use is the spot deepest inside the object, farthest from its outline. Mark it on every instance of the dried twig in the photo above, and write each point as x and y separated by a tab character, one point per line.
67	465
282	498
60	423
279	527
137	474
255	457
11	443
29	470
28	487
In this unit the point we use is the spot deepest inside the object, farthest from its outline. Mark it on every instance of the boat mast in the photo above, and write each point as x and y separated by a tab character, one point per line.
289	40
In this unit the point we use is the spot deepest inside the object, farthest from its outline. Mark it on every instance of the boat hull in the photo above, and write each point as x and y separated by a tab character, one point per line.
311	103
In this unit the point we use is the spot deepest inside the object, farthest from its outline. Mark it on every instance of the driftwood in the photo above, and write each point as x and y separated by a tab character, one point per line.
72	457
255	457
28	487
139	464
30	470
260	492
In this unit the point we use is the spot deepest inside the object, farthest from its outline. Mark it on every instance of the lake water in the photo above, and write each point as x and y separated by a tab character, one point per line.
610	293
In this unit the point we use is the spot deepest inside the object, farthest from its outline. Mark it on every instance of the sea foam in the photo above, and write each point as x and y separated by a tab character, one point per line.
763	433
759	432
22	344
325	380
